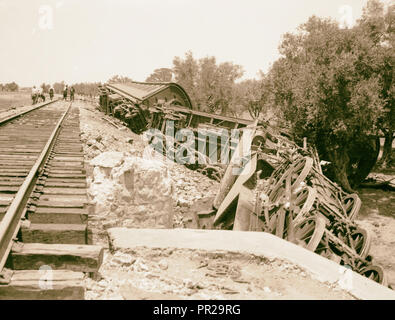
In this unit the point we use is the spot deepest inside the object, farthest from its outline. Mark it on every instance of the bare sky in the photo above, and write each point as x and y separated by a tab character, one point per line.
92	40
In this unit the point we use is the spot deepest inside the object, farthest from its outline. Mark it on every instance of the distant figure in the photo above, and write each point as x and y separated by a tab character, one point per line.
65	93
72	93
34	95
51	93
41	94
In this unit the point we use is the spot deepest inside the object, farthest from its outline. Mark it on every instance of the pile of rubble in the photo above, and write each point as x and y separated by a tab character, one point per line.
281	190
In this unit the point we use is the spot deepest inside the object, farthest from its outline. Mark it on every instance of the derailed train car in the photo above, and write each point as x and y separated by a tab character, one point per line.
167	108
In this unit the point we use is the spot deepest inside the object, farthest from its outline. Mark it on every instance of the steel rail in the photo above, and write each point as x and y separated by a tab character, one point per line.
13	116
10	225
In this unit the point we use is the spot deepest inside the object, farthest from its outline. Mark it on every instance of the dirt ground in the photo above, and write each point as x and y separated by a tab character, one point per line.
377	215
143	273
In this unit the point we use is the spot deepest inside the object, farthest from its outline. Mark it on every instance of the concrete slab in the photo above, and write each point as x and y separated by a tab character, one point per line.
257	243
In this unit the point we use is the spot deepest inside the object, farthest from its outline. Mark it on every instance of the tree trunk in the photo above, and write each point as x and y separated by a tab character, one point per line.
386	159
340	161
363	155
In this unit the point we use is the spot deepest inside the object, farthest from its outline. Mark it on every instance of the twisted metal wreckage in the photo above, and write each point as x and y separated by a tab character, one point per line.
279	188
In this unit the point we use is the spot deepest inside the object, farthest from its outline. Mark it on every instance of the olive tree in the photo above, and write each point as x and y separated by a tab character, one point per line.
326	85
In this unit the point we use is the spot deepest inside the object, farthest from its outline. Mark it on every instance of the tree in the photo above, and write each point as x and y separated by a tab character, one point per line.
254	96
210	85
160	75
186	72
12	86
119	79
58	87
378	24
87	88
326	85
45	87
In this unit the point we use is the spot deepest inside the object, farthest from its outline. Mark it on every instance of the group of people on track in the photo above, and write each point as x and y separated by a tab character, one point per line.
38	94
67	90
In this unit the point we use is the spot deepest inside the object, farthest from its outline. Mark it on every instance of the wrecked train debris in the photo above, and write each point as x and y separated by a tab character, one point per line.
278	187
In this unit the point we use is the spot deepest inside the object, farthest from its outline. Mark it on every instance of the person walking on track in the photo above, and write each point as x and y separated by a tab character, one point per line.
72	93
65	93
34	95
41	94
51	93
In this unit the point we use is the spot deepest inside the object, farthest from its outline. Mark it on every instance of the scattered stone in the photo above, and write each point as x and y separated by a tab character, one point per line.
109	224
90	142
102	283
163	265
130	292
123	259
188	283
182	203
140	266
109	159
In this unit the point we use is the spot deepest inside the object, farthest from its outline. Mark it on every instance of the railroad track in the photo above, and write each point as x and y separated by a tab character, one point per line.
45	245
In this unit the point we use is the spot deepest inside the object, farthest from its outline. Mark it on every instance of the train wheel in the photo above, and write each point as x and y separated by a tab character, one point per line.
309	232
280	225
324	250
352	204
360	241
279	179
302	203
300	171
375	273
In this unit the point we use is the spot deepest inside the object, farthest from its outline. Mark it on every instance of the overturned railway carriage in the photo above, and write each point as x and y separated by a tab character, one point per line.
277	187
119	99
167	108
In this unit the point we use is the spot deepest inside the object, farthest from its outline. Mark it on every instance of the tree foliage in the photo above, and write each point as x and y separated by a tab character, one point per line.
160	75
210	85
45	87
378	25
89	89
58	87
12	86
254	96
119	79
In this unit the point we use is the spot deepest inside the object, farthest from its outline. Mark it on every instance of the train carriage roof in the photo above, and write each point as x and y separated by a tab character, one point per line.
141	91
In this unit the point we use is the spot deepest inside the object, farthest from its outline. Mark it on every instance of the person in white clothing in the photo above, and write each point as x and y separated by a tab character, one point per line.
34	95
42	96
